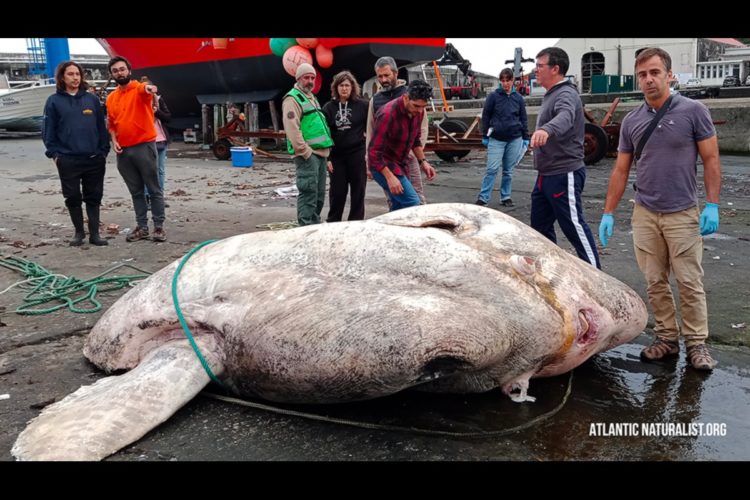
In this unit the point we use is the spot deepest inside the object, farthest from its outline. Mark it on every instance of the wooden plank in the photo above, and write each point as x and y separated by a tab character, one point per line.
265	153
449	134
473	125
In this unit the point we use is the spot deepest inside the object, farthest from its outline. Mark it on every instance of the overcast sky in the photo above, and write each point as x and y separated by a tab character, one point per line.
77	45
487	55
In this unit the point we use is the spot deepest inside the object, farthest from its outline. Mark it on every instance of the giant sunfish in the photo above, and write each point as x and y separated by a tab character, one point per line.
445	297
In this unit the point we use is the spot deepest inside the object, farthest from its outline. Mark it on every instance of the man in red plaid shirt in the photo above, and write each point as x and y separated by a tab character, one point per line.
397	131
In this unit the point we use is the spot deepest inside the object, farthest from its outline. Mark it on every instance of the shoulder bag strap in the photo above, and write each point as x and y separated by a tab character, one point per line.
651	128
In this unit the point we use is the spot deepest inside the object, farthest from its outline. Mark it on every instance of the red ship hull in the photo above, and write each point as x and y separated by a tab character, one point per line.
189	71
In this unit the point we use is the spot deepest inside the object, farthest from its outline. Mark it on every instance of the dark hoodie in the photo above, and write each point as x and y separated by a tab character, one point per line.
506	115
561	115
74	125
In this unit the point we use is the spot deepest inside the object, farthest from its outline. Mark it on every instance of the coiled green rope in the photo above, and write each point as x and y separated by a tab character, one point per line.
48	287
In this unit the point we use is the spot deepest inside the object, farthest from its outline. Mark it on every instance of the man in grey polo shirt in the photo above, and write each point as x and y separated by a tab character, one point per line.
667	227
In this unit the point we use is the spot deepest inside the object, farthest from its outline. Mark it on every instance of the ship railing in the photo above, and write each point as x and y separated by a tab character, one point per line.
23	84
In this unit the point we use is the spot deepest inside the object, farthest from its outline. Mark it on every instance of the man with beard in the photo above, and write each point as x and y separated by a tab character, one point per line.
309	140
80	157
131	125
395	135
387	74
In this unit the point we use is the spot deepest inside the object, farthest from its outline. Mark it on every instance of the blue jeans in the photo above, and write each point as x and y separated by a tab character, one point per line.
409	198
499	152
162	154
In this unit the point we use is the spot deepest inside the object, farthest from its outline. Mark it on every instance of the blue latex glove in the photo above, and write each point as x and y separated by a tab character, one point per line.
710	219
485	140
526	143
605	228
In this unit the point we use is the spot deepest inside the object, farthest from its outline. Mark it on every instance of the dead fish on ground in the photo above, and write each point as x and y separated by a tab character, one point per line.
446	297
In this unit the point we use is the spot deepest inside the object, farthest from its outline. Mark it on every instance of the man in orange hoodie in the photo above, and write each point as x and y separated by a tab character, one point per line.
131	125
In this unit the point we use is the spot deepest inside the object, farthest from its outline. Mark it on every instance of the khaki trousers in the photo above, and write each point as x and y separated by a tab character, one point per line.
672	242
415	177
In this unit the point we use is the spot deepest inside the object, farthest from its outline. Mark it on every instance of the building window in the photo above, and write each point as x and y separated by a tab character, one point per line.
592	64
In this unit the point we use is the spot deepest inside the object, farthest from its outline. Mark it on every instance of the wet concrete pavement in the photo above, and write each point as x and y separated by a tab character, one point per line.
41	361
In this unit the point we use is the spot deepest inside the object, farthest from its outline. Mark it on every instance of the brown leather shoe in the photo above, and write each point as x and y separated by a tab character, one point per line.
660	349
159	234
138	233
700	358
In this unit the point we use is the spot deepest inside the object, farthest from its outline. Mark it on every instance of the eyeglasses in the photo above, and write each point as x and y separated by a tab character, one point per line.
540	66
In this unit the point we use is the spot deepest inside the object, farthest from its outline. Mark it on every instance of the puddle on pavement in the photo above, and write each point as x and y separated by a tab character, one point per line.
613	387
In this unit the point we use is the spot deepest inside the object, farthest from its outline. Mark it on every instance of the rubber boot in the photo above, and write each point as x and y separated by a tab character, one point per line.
93	212
76	215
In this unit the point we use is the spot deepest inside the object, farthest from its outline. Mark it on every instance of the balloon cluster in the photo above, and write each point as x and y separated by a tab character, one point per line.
295	51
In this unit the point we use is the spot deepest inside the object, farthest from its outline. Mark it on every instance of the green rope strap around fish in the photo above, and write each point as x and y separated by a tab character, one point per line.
45	287
188	333
180	317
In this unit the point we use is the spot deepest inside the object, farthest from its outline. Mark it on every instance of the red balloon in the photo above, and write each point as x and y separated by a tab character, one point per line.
293	57
318	82
308	43
324	56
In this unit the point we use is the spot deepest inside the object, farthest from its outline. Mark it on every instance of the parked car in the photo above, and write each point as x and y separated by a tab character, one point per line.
747	80
731	81
693	82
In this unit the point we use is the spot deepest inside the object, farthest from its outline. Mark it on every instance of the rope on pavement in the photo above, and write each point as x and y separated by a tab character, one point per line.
396	428
45	287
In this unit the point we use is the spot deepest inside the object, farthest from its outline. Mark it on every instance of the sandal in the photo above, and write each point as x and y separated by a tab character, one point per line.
700	358
660	349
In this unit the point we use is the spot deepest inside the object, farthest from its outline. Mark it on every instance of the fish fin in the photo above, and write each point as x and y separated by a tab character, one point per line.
423	216
99	419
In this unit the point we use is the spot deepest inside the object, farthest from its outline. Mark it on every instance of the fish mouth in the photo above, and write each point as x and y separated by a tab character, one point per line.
443	366
588	330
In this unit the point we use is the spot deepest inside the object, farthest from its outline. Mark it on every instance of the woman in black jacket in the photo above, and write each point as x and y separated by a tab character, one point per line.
346	114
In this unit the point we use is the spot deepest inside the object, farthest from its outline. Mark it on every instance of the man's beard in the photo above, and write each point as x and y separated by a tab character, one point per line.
387	85
123	80
309	87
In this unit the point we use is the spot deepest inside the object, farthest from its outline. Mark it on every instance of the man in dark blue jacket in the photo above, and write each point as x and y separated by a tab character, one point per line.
76	139
506	135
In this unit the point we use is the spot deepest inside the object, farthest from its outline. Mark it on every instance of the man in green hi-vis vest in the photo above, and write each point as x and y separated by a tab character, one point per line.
309	140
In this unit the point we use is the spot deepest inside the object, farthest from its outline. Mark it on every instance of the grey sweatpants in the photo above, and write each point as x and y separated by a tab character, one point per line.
138	166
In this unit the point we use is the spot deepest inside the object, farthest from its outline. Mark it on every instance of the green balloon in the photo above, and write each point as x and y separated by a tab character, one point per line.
280	45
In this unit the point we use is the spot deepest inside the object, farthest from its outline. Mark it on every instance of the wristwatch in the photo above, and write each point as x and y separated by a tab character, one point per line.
421	160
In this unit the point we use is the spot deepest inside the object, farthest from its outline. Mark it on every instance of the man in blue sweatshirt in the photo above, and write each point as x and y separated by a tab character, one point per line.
76	139
558	156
